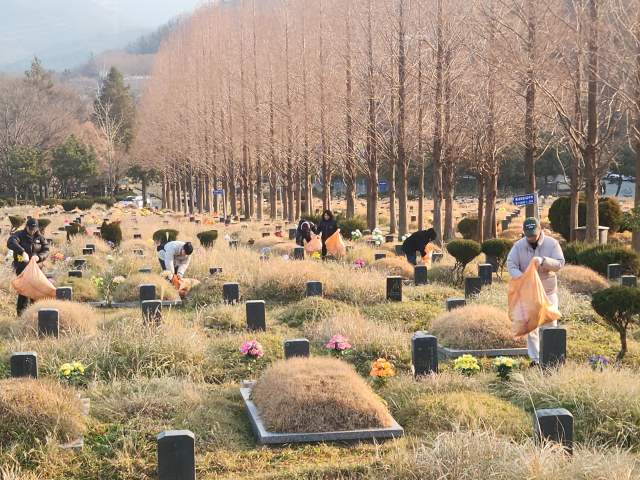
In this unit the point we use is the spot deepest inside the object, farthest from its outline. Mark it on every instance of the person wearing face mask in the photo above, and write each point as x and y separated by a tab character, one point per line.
26	244
547	255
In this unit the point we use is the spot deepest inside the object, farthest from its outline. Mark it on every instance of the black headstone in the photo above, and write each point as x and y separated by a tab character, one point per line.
63	293
192	219
24	364
614	271
553	346
424	354
176	455
452	303
379	256
214	270
297	347
485	272
298	253
152	311
255	315
366	232
388	238
420	274
137	235
436	257
48	322
491	261
147	291
414	218
505	225
314	288
399	251
138	251
233	244
472	286
394	288
292	233
144	270
266	234
80	263
75	273
96	234
230	292
628	281
87	251
62	229
555	425
92	246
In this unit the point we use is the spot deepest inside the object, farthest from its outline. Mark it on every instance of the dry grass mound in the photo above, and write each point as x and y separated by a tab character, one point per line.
475	327
73	317
304	395
129	290
393	266
82	289
32	410
581	280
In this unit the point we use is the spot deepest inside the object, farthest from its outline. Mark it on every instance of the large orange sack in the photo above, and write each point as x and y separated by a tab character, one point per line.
314	245
529	307
184	285
335	245
32	283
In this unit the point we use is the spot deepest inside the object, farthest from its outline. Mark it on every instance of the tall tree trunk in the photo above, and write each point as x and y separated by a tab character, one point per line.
191	195
448	189
350	167
298	190
635	238
214	179
420	143
530	131
437	135
179	194
393	220
259	189
481	185
372	139
402	156
591	170
490	206
207	189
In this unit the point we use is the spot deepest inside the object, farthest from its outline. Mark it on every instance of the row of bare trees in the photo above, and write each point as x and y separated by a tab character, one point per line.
297	91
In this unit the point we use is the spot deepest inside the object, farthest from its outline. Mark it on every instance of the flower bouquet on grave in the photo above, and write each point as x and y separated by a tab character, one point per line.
252	351
381	370
73	374
597	362
503	366
467	365
359	262
338	345
251	241
356	234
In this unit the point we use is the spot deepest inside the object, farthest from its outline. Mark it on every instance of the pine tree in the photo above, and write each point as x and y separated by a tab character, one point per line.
122	111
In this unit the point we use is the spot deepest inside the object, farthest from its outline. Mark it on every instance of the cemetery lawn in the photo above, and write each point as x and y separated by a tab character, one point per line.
186	374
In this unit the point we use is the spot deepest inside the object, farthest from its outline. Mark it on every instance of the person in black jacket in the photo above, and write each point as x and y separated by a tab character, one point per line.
303	233
327	227
28	243
417	242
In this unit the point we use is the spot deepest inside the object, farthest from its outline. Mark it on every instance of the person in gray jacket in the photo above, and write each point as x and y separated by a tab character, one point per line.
175	257
548	257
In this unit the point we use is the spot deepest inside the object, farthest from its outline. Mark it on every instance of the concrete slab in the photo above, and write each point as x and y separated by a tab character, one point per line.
446	353
103	304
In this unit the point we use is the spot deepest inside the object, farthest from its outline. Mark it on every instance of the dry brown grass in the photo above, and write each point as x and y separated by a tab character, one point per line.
82	289
393	266
32	410
73	317
475	327
304	395
129	290
581	280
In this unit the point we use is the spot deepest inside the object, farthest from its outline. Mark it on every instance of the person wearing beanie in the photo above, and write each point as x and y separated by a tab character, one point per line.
327	227
304	231
175	257
26	244
547	255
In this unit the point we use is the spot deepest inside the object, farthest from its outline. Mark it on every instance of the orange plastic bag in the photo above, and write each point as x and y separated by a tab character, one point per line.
314	245
426	260
335	245
529	307
184	285
32	283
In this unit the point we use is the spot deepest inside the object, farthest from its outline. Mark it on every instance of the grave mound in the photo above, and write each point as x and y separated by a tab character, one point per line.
129	290
475	327
393	267
84	290
581	280
73	317
33	410
305	395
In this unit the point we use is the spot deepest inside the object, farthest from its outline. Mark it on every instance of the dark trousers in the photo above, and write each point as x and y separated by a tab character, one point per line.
23	302
324	251
162	265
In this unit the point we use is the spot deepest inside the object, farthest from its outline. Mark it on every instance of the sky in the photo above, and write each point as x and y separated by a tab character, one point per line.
63	32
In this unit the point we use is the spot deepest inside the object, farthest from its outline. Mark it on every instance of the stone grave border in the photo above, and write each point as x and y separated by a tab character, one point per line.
103	304
280	439
447	353
78	444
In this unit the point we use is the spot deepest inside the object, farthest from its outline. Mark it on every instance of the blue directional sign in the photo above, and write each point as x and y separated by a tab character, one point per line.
383	187
217	192
523	199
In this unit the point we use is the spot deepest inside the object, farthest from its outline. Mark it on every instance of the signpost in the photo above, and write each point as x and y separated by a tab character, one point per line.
530	198
224	201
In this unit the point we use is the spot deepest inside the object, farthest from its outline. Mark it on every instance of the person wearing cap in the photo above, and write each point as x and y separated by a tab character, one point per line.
175	257
547	255
304	230
26	244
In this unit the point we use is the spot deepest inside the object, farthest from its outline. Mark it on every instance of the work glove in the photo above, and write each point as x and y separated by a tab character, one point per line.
25	257
36	257
537	261
179	275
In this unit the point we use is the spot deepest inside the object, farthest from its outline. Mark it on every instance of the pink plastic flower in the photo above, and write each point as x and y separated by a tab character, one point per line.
254	351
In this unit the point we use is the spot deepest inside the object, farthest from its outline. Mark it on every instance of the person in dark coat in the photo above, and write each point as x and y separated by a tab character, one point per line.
303	233
28	243
417	242
327	227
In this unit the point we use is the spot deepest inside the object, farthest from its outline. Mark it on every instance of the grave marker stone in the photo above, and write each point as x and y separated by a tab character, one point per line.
424	354
138	251
292	233
628	281
144	270
147	291
48	322
63	293
176	455
379	256
80	263
555	425
452	303
24	364
75	273
491	261
388	238
614	271
256	315
505	225
553	346
472	286
215	270
399	251
394	288
366	232
137	235
233	244
87	251
92	246
96	234
152	311
298	253
314	288
485	272
436	257
420	274
230	292
414	218
297	347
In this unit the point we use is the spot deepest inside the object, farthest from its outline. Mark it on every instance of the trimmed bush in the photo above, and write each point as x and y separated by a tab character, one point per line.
581	280
350	224
475	327
468	228
111	232
74	318
16	222
81	203
165	235
498	248
207	239
572	250
463	251
43	223
598	257
618	306
75	229
108	201
303	395
609	214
